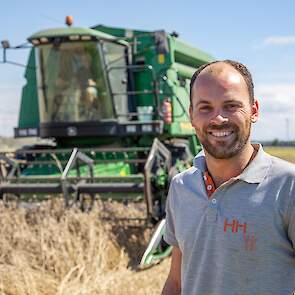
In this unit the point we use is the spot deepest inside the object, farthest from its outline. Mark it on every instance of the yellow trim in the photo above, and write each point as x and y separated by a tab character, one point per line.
186	126
161	58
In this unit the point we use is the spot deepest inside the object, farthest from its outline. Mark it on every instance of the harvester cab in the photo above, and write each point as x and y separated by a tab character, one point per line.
115	102
82	82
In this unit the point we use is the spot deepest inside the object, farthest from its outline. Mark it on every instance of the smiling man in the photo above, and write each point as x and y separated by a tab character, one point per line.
231	217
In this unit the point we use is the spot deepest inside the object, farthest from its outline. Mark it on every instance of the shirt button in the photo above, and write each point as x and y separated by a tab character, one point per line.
214	201
209	187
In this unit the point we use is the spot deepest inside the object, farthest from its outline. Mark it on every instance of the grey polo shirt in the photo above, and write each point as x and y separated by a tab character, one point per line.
241	241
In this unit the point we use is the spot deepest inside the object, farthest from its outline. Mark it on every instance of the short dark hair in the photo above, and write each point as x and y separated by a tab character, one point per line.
242	69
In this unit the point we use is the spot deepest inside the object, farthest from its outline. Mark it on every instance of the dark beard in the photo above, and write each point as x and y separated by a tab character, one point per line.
222	151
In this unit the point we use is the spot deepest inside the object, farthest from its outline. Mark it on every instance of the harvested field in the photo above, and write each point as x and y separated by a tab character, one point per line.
286	153
49	250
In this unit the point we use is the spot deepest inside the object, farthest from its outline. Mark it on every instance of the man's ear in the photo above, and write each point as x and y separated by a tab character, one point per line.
255	111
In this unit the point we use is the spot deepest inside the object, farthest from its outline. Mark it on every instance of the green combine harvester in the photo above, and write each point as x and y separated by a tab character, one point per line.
115	102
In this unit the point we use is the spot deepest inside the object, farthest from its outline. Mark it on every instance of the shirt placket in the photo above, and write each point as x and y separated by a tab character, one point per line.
212	193
211	212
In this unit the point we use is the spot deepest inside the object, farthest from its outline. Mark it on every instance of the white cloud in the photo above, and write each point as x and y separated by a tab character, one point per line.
274	41
276	97
277	105
279	40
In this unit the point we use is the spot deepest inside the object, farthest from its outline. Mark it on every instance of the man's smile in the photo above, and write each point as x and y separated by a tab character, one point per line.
221	134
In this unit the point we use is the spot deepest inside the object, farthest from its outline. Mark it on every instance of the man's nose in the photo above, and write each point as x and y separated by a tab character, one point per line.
219	118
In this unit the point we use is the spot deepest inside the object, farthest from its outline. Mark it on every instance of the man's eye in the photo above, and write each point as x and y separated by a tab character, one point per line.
231	106
204	108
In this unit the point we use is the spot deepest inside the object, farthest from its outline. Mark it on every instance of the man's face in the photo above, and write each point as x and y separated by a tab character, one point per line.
221	112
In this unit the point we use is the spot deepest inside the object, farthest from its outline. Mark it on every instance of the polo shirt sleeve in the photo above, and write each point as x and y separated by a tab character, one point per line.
291	223
169	234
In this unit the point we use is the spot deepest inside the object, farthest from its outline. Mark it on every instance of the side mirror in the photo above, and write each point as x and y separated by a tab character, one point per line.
5	45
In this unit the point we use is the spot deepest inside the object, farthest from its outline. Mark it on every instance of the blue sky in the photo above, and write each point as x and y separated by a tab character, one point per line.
260	34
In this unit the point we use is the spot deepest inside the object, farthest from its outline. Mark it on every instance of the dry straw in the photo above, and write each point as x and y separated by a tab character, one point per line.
49	250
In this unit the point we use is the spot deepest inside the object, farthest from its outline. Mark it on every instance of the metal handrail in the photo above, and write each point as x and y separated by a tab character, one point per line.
150	68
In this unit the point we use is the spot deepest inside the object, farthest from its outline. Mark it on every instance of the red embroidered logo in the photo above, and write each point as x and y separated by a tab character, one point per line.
235	226
250	242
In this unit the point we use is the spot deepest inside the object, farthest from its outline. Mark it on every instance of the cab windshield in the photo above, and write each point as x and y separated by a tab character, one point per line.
73	86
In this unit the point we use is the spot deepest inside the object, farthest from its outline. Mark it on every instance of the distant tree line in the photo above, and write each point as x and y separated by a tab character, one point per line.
277	142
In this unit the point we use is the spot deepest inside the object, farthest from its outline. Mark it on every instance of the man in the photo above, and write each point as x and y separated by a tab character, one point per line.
231	217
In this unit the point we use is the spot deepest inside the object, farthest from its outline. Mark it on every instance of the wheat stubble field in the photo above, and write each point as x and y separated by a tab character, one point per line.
49	250
286	153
